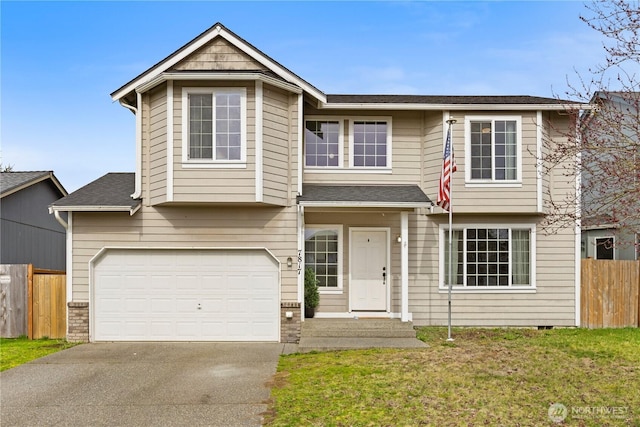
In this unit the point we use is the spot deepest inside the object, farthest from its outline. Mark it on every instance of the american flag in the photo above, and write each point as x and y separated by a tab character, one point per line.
448	167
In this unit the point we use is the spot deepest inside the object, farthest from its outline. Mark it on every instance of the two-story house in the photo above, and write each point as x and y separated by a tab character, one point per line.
246	174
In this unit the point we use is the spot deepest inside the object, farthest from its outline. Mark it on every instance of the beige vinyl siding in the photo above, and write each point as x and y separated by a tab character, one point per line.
219	54
219	184
158	145
406	140
176	227
553	302
276	147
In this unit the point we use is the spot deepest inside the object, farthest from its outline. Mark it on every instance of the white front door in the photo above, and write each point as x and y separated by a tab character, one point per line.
369	278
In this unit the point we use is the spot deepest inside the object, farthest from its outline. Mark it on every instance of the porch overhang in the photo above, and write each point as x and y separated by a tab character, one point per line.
406	196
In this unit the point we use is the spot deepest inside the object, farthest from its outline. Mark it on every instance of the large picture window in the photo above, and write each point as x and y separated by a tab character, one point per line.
214	125
500	257
323	253
323	143
493	149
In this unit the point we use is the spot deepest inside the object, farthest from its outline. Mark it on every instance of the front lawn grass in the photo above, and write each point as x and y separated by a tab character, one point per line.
16	351
495	377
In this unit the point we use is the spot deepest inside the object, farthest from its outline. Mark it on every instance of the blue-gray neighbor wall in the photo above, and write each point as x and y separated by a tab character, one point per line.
29	234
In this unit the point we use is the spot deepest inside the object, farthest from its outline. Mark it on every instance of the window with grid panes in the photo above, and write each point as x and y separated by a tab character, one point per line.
322	255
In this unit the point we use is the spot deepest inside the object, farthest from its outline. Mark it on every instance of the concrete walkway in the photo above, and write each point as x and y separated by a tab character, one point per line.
142	384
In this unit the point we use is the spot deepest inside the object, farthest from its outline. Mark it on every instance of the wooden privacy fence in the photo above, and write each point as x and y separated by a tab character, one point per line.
33	302
610	293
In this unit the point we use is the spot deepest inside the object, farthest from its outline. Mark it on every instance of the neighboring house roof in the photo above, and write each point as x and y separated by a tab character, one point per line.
364	196
111	192
217	30
12	182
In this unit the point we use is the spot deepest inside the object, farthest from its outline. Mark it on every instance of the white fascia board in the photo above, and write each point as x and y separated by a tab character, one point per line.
273	66
131	209
168	63
199	76
452	107
312	204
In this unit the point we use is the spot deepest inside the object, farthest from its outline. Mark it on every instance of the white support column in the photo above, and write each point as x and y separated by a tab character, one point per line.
170	141
404	266
300	259
258	142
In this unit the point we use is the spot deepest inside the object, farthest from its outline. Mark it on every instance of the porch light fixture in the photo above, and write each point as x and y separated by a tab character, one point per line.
399	239
289	262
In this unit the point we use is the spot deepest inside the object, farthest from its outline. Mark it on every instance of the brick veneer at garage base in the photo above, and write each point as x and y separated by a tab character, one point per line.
78	330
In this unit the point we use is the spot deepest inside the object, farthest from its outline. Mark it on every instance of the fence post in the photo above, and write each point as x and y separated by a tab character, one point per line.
30	301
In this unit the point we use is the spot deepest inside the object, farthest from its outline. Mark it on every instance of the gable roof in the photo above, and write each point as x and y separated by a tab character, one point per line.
111	192
394	196
217	30
12	182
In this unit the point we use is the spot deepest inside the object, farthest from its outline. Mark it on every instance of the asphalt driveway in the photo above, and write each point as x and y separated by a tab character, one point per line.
142	384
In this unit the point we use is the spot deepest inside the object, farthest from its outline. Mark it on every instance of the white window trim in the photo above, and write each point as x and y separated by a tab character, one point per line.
467	153
595	246
204	163
338	227
340	121
531	288
388	120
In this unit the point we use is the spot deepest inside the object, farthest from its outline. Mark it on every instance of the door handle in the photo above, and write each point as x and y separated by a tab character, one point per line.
384	276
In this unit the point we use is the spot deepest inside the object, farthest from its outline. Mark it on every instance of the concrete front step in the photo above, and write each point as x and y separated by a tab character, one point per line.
308	344
383	328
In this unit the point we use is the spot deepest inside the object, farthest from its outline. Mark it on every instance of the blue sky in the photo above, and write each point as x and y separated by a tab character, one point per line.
61	60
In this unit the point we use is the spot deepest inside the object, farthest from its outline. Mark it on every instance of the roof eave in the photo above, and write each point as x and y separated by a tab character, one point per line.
96	208
451	107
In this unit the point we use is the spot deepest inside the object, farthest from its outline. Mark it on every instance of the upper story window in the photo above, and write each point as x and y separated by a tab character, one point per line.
214	125
494	149
323	143
370	143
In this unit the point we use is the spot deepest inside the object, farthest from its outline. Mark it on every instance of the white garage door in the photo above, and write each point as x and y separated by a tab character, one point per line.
185	295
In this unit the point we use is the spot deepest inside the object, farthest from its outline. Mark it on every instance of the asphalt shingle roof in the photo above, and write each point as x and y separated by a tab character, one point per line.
110	190
11	180
401	194
442	99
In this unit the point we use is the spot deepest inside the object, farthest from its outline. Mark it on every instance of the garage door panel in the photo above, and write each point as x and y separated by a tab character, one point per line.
132	305
180	295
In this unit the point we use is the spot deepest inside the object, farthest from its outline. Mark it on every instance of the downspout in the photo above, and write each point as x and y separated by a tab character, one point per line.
138	176
62	222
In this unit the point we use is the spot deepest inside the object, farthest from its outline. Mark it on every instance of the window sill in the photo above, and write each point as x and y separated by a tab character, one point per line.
214	165
489	290
493	184
352	170
330	291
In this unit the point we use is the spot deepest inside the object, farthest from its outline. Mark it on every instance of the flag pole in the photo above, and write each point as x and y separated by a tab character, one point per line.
450	122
